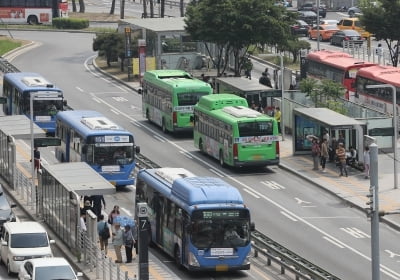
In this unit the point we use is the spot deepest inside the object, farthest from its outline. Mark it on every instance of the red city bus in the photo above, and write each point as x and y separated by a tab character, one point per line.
380	99
32	11
337	66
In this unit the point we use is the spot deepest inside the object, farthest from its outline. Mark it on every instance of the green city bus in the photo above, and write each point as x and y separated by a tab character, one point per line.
168	97
228	130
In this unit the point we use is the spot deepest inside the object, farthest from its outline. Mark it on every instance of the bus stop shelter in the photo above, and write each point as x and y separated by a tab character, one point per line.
313	121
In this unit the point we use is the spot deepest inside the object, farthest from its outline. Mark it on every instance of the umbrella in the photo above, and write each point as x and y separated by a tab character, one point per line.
124	221
311	137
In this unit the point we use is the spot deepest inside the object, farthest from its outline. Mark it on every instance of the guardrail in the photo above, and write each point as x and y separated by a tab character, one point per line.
7	67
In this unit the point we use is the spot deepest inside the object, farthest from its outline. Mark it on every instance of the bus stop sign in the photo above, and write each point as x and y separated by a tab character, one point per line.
45	142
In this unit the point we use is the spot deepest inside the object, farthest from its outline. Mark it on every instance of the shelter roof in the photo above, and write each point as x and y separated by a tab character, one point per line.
328	117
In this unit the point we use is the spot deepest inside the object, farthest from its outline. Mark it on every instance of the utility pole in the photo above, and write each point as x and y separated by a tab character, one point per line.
141	211
373	211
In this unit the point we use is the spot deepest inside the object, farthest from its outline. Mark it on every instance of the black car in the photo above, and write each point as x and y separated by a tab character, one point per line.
300	28
308	16
351	36
6	213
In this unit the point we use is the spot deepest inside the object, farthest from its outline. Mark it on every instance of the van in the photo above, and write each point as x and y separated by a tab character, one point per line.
355	24
21	241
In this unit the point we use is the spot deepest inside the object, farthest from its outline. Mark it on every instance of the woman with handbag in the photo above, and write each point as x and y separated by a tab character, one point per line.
128	243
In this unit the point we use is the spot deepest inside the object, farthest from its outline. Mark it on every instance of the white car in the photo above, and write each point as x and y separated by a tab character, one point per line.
47	269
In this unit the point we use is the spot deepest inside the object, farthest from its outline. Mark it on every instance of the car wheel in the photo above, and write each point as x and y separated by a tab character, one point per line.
332	42
9	272
342	43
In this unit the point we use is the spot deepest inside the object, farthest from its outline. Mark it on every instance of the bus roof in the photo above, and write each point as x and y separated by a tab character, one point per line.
382	74
339	60
190	189
90	123
219	101
25	81
172	79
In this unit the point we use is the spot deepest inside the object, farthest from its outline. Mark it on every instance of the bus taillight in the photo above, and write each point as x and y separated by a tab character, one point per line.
235	151
174	118
277	148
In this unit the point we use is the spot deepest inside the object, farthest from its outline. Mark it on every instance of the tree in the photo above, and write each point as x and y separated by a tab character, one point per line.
383	21
233	26
112	47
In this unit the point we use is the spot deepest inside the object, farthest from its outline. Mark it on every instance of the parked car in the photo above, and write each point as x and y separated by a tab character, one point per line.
300	28
308	16
6	213
313	7
47	268
353	24
353	11
324	32
343	36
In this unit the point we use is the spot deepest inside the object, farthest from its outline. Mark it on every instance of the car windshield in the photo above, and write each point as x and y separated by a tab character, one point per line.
62	272
29	240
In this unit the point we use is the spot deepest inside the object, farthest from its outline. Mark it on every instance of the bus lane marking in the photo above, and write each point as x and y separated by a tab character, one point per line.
186	154
355	232
289	216
333	242
216	172
273	185
384	269
251	193
300	201
393	255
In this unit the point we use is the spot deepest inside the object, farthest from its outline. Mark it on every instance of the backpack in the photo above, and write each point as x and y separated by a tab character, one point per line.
105	232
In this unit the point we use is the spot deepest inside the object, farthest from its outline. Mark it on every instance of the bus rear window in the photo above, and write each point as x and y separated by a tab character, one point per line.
255	128
189	99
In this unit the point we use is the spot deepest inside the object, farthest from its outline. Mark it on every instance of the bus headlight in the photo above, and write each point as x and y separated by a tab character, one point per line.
192	260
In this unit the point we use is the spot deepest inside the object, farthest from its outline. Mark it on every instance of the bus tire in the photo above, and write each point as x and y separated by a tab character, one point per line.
221	159
163	127
177	256
33	20
201	148
147	115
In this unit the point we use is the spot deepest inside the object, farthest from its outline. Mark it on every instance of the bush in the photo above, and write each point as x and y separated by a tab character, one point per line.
70	23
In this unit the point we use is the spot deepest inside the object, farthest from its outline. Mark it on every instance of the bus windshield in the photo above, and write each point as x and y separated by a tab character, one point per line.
190	98
106	154
259	128
215	230
47	107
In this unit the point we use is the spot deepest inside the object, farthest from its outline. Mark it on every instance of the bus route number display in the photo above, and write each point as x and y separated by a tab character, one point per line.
221	214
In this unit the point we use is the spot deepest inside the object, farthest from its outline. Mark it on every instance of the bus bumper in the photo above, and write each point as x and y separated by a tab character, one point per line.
122	183
237	163
220	268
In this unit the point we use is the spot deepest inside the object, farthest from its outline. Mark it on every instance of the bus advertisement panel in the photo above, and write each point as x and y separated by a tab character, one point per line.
168	97
32	11
337	66
47	100
201	222
90	137
380	99
226	129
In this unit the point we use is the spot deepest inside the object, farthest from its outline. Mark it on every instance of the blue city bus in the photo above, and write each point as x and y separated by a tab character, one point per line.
192	219
47	99
91	137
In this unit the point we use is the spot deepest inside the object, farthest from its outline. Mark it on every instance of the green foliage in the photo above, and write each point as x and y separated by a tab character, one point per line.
235	25
70	23
294	46
383	21
8	45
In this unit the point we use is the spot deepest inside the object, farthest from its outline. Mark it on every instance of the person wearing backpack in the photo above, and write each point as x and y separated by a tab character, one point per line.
104	233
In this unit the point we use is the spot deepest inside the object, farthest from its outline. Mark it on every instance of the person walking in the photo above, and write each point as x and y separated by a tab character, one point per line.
277	116
367	162
98	202
248	66
324	153
128	243
264	80
315	152
341	154
104	233
118	241
36	159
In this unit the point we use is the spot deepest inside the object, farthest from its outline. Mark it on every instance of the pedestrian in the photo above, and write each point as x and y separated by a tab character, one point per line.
315	152
367	162
117	241
114	213
87	206
324	153
104	233
248	66
277	116
264	80
340	139
341	154
98	202
332	149
129	242
135	236
267	74
36	159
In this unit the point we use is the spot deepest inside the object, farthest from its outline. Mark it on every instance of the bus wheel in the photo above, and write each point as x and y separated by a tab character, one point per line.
163	127
33	20
201	148
221	158
147	114
177	256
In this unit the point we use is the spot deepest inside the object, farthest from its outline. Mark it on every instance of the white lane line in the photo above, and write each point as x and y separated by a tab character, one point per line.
333	242
216	172
251	193
289	216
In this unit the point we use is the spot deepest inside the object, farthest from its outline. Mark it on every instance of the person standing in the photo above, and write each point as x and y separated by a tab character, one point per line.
248	66
341	154
114	213
367	162
128	243
315	152
277	116
118	241
324	154
98	202
36	159
332	150
102	226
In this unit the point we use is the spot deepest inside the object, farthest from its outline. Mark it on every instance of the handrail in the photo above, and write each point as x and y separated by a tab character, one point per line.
7	67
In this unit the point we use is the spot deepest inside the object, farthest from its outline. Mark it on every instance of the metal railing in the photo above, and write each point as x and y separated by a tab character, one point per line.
7	67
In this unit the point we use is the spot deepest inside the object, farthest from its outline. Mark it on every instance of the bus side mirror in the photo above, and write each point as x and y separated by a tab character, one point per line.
137	149
139	91
252	226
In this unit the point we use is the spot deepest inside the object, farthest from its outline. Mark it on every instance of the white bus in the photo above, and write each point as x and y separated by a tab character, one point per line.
32	11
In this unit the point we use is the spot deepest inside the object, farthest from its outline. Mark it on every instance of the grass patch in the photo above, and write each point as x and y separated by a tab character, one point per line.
7	45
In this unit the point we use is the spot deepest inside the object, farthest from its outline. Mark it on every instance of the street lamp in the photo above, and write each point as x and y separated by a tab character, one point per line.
394	125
